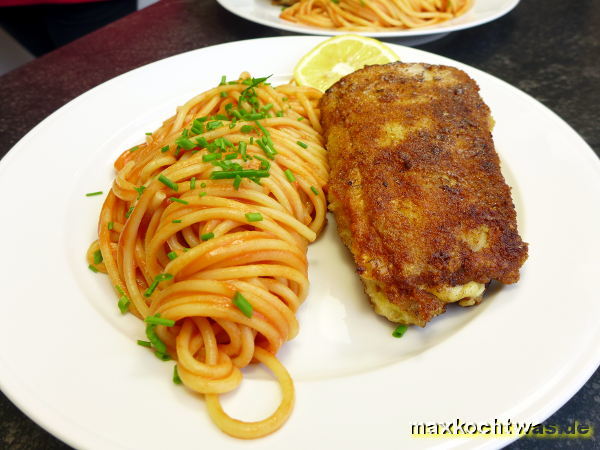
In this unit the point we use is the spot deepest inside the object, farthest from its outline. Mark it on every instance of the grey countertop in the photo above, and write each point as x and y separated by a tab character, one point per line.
548	48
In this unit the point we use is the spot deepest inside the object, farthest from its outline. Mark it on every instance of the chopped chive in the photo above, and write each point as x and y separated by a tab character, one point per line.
314	189
207	236
93	268
148	292
223	94
91	194
176	221
242	148
263	129
178	200
110	226
202	185
171	255
299	119
202	142
211	157
167	182
251	140
214	125
185	142
264	164
279	113
284	99
149	133
254	116
301	144
231	156
247	173
269	151
98	257
123	304
247	128
289	175
129	211
155	320
165	149
119	289
140	190
162	356
133	149
155	340
267	107
223	80
176	378
236	182
144	343
193	183
254	217
399	331
242	304
202	194
163	277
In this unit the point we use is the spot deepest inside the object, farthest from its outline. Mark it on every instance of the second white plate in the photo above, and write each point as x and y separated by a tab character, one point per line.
265	13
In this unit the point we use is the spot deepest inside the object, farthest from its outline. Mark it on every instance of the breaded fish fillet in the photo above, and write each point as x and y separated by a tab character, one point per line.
416	188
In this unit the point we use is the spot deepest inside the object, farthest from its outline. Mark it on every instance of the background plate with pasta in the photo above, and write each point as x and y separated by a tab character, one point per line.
265	13
69	359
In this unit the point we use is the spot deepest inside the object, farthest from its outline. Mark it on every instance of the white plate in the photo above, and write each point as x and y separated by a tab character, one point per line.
265	13
69	359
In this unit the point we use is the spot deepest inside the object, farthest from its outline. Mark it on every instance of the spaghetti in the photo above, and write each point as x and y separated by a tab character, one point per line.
205	230
374	15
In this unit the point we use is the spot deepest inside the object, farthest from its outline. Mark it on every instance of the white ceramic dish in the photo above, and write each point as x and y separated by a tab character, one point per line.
69	359
265	13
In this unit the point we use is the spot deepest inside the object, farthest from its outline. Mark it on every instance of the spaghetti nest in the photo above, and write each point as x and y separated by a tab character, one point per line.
374	15
204	235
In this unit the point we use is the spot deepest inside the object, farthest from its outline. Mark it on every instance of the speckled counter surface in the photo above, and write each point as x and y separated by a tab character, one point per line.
548	48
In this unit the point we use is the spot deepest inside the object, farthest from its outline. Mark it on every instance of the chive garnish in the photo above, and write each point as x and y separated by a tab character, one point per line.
223	80
254	217
207	236
247	128
301	144
279	113
163	277
93	269
140	190
165	149
193	183
214	125
201	194
314	189
91	194
254	116
263	129
171	255
202	142
144	343
155	340
110	226
245	173
299	119
236	182
129	211
185	142
176	221
242	304
223	94
399	331
162	356
167	182
202	185
148	292
98	257
123	304
231	156
157	279
176	378
133	149
178	200
155	320
264	164
211	157
289	175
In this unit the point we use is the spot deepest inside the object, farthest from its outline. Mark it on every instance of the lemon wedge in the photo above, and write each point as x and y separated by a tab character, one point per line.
337	57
